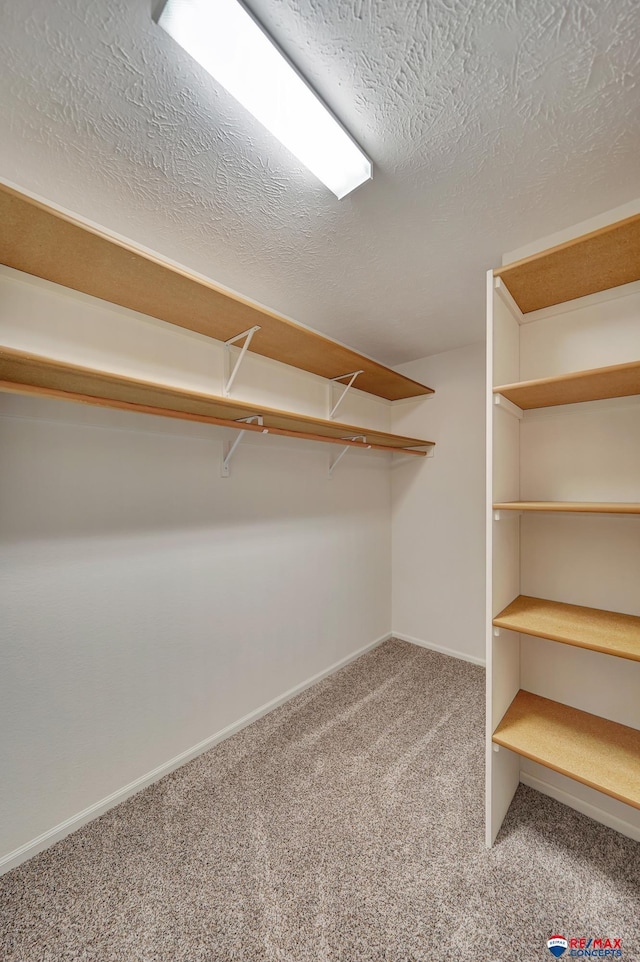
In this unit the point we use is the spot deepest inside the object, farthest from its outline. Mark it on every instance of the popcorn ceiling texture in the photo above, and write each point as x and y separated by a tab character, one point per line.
490	123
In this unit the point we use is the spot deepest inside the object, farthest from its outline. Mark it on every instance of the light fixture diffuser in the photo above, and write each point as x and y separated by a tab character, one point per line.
225	39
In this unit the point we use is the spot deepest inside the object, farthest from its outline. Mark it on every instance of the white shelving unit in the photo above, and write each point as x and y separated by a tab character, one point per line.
563	528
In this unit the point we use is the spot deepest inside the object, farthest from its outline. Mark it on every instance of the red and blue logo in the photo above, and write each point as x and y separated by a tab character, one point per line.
557	945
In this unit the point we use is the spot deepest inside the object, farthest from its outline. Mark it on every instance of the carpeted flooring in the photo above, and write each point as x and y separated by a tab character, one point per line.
346	826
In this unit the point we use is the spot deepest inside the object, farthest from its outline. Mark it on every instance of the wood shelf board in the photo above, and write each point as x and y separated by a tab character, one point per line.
603	259
44	242
609	632
31	374
584	507
618	380
599	753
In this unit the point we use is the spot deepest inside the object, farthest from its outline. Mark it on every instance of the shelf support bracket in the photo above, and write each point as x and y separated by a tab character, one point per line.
226	464
503	515
508	406
507	297
341	377
334	464
230	378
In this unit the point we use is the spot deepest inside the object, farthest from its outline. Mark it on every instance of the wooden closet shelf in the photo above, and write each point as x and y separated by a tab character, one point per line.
619	380
599	753
588	507
598	261
23	373
606	631
39	240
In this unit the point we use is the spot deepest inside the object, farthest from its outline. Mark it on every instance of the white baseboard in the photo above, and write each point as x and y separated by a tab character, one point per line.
586	808
444	651
29	849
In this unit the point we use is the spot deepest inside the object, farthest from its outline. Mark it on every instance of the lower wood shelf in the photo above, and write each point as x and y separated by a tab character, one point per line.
606	631
601	754
585	507
22	373
619	380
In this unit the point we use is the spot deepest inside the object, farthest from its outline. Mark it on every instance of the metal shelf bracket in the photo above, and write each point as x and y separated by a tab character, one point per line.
503	515
353	375
231	449
334	464
230	377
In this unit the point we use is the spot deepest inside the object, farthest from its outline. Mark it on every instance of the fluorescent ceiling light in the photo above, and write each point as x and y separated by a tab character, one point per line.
224	38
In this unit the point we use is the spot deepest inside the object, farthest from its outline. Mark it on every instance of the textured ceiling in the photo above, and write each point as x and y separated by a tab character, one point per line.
489	122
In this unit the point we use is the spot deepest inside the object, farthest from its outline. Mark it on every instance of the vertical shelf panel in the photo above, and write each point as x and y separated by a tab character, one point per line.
503	540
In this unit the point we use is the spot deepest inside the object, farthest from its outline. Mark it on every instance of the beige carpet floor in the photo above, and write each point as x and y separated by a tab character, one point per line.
346	826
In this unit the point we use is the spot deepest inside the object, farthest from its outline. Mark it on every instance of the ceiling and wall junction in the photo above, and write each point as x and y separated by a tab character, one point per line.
490	123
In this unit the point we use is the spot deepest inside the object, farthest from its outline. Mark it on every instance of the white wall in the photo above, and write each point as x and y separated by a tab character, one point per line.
438	509
147	602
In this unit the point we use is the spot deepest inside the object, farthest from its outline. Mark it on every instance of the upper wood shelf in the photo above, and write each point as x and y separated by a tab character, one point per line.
588	507
597	261
599	753
606	631
619	380
23	373
41	241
